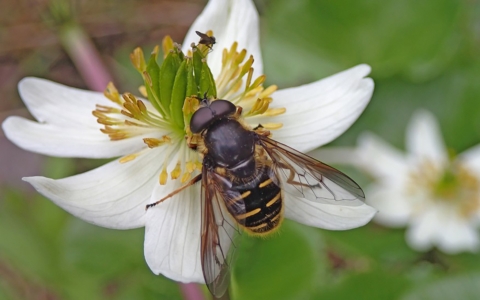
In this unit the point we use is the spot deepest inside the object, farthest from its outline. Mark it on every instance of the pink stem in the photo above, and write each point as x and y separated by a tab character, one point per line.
85	57
191	291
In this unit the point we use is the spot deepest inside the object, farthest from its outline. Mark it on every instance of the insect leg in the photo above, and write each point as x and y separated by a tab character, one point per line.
238	112
191	182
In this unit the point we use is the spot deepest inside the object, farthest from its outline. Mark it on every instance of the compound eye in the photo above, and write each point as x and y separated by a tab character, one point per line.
201	119
222	108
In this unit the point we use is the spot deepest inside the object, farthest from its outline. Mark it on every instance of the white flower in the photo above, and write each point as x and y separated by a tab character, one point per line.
436	196
115	195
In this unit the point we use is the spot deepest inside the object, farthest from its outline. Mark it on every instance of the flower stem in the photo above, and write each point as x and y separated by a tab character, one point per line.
85	56
191	291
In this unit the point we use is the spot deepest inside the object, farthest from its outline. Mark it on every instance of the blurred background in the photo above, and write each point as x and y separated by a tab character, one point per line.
424	54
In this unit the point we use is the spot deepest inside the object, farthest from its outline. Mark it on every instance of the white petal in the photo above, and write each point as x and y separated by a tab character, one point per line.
471	159
379	159
113	195
459	236
320	111
332	217
66	125
60	105
394	209
172	236
441	226
424	139
230	21
423	231
66	141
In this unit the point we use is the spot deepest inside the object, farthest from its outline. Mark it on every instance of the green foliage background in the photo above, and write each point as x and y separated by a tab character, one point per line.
424	54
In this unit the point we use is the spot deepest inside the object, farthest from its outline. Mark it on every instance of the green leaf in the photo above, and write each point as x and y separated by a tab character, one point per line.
22	244
286	265
101	252
178	95
385	245
463	286
395	37
372	284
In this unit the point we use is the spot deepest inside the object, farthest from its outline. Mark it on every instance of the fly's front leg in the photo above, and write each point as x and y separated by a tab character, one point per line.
238	112
191	182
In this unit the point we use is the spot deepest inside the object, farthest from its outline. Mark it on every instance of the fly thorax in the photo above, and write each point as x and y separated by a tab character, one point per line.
228	143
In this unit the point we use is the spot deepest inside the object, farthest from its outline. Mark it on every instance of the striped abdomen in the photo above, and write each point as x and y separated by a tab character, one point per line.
263	203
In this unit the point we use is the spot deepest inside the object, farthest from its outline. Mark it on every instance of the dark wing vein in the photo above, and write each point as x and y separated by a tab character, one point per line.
305	177
219	233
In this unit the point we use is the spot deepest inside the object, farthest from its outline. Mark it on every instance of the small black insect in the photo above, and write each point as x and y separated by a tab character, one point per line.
243	175
206	40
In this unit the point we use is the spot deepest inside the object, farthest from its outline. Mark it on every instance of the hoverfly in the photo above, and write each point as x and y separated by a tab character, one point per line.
206	40
243	177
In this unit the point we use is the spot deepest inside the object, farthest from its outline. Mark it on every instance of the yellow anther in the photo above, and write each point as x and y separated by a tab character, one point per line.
112	94
176	171
240	57
108	121
126	113
128	158
190	105
143	91
162	179
107	109
155	50
272	126
247	66
153	142
275	111
259	81
198	165
185	177
268	91
190	166
141	106
130	123
138	60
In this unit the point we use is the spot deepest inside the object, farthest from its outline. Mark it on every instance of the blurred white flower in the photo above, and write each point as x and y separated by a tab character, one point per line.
435	195
115	195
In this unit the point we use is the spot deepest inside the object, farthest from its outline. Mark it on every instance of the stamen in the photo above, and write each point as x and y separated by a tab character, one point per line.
128	158
272	126
185	177
271	112
152	142
254	99
112	94
138	60
143	90
452	184
176	171
163	177
190	166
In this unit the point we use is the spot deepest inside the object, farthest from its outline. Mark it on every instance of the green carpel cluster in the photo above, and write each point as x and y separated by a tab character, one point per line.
178	77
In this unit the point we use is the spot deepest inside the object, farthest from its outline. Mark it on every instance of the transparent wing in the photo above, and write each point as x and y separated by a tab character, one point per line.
305	177
219	234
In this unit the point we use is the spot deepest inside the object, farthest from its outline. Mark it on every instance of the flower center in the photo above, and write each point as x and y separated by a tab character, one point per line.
173	89
454	185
